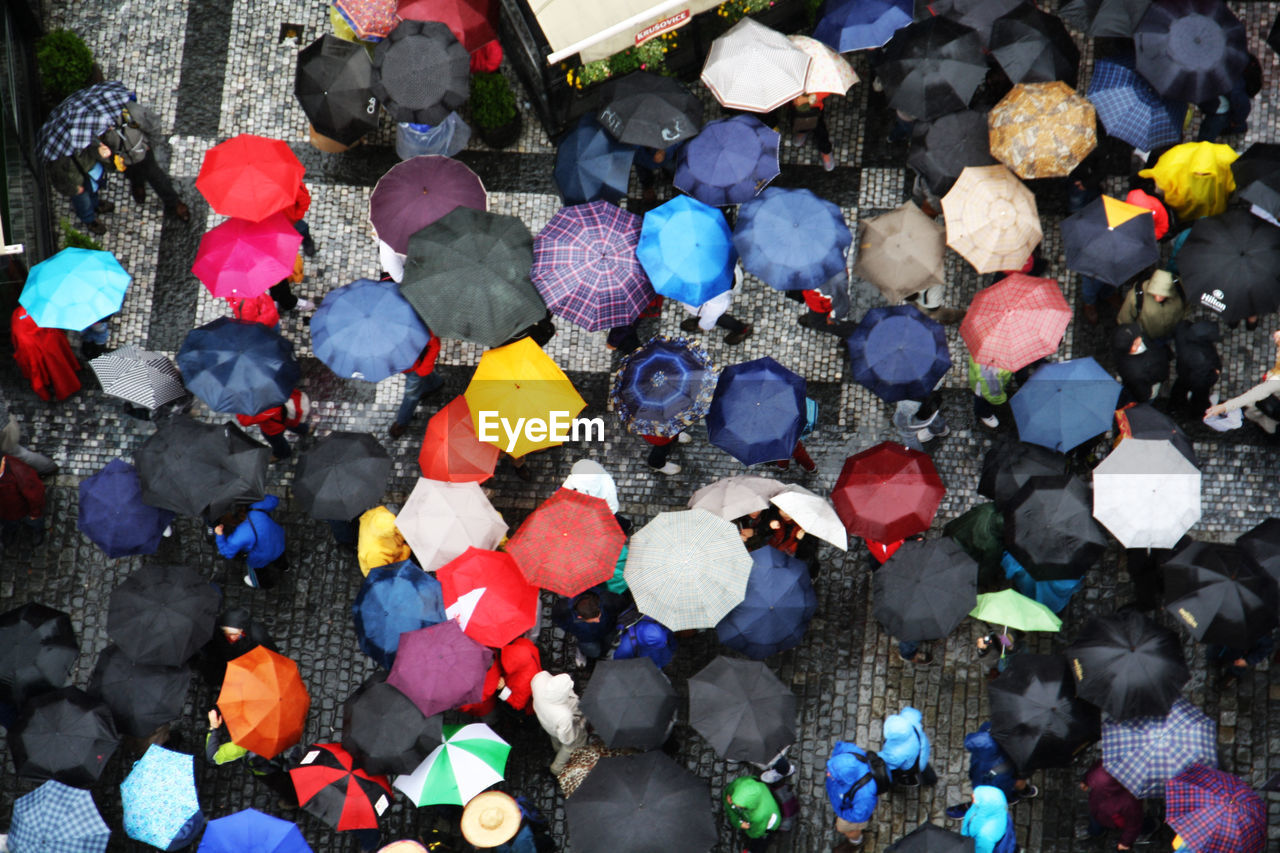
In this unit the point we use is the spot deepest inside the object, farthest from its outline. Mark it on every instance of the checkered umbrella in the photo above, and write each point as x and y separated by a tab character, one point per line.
1144	753
730	162
585	266
144	378
159	797
992	221
1215	812
75	123
664	387
58	819
1016	321
1130	109
752	67
568	544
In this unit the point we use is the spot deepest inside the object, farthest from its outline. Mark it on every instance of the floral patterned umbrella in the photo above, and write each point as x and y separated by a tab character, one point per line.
1042	130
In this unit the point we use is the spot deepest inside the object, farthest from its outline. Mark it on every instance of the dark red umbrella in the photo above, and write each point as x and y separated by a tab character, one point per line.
250	177
450	449
569	544
470	21
330	787
887	492
487	594
418	191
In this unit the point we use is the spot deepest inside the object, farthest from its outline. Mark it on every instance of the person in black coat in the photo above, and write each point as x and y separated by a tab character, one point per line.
592	618
1198	366
1143	363
238	632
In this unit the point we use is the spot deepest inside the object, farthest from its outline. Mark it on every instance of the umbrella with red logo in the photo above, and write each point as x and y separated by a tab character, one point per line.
887	492
250	177
330	787
1015	321
568	544
241	259
487	594
450	449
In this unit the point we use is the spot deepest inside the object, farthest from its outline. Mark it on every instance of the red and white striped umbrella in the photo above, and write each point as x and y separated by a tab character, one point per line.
1015	321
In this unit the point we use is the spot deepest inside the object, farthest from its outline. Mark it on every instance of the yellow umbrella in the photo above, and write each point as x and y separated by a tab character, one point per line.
1042	130
1195	178
520	400
901	252
992	221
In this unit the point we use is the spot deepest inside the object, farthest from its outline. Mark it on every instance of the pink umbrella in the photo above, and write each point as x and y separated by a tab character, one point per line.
1015	321
241	259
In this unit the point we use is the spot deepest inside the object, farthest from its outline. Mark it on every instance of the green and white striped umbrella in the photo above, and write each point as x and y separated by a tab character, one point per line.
470	759
688	569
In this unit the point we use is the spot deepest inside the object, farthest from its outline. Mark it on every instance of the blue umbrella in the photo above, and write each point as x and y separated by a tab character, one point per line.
898	353
159	795
757	412
776	612
367	330
791	239
250	829
729	162
239	367
113	515
592	165
687	251
1143	753
1065	404
862	24
664	387
56	818
74	289
392	600
1130	109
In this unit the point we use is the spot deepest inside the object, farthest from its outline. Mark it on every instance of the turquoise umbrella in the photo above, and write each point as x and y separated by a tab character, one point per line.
687	250
159	795
75	289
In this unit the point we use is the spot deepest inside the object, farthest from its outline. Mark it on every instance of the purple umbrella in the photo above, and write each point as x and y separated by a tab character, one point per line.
585	266
439	667
729	162
415	193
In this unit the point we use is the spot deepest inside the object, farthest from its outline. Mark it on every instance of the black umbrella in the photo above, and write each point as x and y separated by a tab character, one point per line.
629	703
1231	264
1146	421
1262	543
742	709
1105	18
942	148
1034	47
1049	528
63	735
928	838
925	590
384	731
38	647
237	366
1098	241
195	468
141	697
1190	50
334	84
641	803
1220	594
1273	36
1128	665
421	73
1035	714
162	615
979	15
1010	463
643	108
932	67
342	476
1263	193
1258	161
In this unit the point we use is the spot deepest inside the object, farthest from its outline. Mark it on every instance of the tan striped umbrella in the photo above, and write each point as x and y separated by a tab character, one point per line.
901	252
754	68
1042	130
992	221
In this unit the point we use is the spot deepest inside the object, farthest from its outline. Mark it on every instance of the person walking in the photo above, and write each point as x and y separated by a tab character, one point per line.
591	618
920	421
79	177
1158	305
715	312
556	706
21	501
130	143
990	766
420	380
989	823
1141	361
853	790
11	445
807	118
44	357
1113	807
219	749
990	391
1197	366
660	447
520	661
273	422
749	805
259	537
380	542
906	749
647	638
238	633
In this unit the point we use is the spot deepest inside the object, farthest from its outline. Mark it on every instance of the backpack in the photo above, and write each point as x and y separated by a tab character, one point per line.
878	772
1008	842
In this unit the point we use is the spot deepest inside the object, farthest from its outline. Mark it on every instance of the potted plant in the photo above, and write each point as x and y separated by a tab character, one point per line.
65	63
493	109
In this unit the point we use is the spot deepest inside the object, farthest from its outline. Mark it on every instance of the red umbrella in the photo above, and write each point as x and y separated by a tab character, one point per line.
333	789
887	492
470	21
450	449
569	544
250	177
1015	321
486	593
242	259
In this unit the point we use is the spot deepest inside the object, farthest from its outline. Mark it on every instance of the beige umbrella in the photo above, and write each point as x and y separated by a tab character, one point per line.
901	252
734	497
992	221
814	513
1042	130
828	70
442	520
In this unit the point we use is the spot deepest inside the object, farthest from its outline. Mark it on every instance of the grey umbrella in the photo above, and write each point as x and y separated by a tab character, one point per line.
342	476
630	703
742	709
144	378
421	72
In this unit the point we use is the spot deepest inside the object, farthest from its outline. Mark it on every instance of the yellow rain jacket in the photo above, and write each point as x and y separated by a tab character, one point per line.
1195	178
380	541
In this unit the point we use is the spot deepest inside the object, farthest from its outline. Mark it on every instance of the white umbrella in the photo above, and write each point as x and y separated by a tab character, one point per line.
814	513
754	68
470	758
442	520
828	70
1146	493
734	497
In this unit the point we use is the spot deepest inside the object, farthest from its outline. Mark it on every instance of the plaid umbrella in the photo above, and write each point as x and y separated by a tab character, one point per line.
898	353
1143	753
901	252
568	544
487	594
729	162
56	818
416	192
144	378
585	266
1016	321
1130	109
441	520
992	221
332	788
1042	130
755	68
664	387
686	250
1215	812
74	289
159	797
76	123
370	20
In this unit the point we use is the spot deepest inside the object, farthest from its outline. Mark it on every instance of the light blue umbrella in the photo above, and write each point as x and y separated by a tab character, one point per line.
251	830
159	795
791	239
56	818
1065	404
367	330
687	251
75	289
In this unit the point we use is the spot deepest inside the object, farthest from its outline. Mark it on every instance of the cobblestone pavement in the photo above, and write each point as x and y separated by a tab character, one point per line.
213	68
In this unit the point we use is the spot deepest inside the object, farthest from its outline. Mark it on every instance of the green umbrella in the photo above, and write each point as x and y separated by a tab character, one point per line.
469	759
1014	610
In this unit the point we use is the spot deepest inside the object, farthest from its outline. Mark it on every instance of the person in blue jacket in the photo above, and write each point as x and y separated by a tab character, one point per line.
257	535
852	790
647	638
988	822
990	765
906	748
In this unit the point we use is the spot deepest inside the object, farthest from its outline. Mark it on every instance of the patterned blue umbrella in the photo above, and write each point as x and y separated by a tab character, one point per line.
898	353
250	829
392	600
776	612
1144	753
664	387
239	367
791	239
367	330
592	165
75	289
757	412
113	515
862	24
687	251
75	123
1216	812
1065	404
159	794
56	818
1130	109
731	161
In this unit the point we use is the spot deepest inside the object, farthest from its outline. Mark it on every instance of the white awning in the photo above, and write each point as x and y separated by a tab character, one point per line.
600	28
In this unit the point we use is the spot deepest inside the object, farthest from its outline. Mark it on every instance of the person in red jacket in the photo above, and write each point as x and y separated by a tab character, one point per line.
44	357
488	701
1112	806
420	380
520	661
21	500
273	423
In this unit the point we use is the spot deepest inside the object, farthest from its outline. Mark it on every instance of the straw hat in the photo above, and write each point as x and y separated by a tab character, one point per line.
490	819
403	847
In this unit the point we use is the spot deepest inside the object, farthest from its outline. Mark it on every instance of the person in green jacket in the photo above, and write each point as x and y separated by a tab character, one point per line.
1157	304
990	389
750	805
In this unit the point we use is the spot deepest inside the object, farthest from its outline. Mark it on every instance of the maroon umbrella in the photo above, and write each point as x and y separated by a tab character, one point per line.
415	193
887	492
439	667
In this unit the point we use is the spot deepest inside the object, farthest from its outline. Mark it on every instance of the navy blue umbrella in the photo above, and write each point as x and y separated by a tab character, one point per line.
664	387
1065	404
730	162
776	612
392	600
113	515
791	239
239	367
367	330
898	353
757	412
592	165
862	24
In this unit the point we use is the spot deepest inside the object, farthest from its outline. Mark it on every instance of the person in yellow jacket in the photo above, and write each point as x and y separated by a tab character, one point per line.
1194	178
380	541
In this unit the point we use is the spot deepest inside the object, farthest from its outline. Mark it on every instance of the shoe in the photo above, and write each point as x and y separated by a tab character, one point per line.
96	227
305	305
1227	679
139	193
669	469
929	210
684	438
828	162
396	430
798	139
579	659
689	324
181	211
812	320
734	338
1029	793
168	531
957	812
106	207
37	538
991	422
927	435
248	581
809	466
523	473
308	246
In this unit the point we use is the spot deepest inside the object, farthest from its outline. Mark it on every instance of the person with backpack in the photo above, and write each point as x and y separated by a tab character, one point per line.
257	535
130	140
1158	305
906	749
855	779
989	765
749	805
989	823
647	638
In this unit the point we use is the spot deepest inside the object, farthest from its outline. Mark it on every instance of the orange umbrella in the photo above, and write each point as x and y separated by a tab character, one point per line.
264	702
450	449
